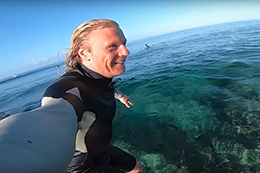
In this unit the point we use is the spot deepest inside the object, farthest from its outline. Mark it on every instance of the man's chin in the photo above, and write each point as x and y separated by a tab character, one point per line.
119	72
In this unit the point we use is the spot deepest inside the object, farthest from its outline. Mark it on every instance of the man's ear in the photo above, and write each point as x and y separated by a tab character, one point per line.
84	54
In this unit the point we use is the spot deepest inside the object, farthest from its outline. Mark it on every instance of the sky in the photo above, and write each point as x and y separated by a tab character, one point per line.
32	32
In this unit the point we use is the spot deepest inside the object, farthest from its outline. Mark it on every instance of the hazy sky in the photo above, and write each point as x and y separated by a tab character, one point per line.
32	32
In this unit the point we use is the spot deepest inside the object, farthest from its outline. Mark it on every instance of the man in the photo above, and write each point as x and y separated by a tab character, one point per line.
97	54
79	106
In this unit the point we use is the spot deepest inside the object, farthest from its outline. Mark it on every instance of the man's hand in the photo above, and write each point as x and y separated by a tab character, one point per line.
126	101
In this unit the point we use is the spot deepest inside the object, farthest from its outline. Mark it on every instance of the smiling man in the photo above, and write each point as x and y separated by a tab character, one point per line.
97	54
72	129
107	53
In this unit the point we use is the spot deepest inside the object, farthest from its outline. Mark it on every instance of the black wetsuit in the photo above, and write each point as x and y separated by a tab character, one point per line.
92	97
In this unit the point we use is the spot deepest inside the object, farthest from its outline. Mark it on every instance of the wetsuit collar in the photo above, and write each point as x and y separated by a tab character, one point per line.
91	74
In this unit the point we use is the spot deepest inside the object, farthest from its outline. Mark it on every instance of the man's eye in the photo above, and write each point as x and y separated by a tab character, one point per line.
113	46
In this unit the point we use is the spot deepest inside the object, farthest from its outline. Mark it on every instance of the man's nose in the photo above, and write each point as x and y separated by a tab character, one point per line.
123	51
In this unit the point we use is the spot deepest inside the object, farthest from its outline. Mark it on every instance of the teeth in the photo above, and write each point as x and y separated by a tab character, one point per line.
119	62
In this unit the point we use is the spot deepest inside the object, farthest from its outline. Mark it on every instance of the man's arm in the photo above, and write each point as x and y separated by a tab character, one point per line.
41	140
123	98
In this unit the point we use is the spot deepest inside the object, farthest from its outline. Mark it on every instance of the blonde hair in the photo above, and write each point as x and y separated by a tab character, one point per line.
80	38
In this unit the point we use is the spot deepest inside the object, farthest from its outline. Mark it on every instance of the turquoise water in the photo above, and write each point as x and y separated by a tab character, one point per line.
196	99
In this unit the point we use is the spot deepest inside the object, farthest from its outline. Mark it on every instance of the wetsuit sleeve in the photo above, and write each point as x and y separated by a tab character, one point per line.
41	140
118	95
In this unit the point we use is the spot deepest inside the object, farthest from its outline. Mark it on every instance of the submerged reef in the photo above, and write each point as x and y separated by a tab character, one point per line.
217	130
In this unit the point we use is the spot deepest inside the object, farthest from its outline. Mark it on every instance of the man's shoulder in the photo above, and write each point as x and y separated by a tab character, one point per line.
63	84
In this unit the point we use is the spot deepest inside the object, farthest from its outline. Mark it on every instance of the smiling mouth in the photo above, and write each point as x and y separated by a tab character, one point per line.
119	62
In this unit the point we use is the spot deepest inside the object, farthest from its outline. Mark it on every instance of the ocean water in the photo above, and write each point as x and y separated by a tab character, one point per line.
196	97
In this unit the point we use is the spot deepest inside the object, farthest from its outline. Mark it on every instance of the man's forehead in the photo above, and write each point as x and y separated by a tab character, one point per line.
107	33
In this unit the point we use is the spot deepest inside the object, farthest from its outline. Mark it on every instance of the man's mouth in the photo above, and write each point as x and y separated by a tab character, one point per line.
119	62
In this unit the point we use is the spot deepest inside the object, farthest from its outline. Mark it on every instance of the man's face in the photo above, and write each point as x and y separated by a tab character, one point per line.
108	52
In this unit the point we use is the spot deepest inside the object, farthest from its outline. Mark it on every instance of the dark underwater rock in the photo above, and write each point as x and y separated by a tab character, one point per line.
221	81
245	141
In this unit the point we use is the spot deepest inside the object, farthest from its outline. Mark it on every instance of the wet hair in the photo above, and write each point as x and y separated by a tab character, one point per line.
80	38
